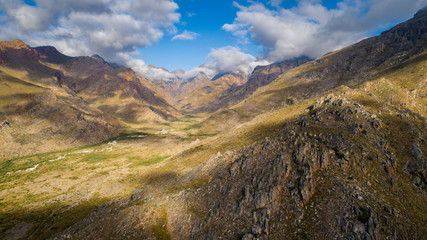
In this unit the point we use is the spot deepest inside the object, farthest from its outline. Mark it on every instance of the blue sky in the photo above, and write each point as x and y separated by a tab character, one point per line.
224	35
206	18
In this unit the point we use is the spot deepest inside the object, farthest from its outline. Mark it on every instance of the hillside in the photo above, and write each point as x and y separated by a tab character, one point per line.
117	91
261	76
32	110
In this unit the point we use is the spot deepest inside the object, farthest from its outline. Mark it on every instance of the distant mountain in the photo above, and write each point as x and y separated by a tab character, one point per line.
204	97
261	76
175	89
118	91
199	95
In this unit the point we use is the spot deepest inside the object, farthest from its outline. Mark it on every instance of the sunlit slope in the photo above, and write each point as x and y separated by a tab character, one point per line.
205	97
34	119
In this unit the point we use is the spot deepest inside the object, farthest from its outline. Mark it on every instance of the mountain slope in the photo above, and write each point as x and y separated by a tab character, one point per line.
351	66
35	119
261	76
60	99
117	91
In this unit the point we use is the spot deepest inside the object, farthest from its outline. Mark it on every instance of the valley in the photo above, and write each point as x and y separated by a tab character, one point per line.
330	148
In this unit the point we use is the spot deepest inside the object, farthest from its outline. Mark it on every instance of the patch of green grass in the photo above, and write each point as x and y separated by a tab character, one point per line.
160	229
128	135
95	158
147	162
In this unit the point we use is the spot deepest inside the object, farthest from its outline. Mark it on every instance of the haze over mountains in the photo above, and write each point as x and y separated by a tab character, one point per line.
326	148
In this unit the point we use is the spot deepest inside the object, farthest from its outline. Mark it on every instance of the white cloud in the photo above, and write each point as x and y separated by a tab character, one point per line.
154	73
231	59
186	35
110	28
311	29
224	60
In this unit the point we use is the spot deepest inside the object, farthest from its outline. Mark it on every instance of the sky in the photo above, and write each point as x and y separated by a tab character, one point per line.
210	36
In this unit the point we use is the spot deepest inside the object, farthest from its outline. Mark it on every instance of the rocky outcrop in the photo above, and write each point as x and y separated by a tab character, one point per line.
323	176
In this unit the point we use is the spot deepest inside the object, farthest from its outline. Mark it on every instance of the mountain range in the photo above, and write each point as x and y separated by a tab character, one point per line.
326	148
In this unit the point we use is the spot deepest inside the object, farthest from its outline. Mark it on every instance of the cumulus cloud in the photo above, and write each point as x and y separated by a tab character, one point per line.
111	28
311	29
186	35
155	73
231	59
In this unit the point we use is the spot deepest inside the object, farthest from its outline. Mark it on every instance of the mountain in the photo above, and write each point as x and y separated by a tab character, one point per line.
117	91
198	94
261	76
178	88
72	100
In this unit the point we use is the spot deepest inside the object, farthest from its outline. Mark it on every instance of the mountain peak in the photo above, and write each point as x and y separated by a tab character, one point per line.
14	44
96	56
